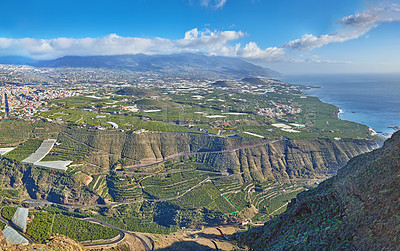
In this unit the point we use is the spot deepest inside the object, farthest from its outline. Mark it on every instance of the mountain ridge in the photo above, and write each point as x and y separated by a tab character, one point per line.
174	63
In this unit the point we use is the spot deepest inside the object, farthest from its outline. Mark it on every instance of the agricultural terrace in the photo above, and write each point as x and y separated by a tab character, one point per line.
43	225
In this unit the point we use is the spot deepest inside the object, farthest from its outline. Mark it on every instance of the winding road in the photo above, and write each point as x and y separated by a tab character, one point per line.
147	243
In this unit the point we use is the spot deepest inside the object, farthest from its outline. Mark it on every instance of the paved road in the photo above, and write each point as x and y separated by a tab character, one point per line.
146	242
121	237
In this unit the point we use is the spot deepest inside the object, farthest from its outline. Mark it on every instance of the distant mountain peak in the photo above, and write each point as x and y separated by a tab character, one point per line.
181	63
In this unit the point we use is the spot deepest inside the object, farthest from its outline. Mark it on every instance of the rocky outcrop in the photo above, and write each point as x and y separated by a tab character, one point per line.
358	209
42	183
288	159
58	242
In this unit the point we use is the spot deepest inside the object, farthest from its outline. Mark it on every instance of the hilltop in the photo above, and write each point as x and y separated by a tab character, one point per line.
181	63
358	209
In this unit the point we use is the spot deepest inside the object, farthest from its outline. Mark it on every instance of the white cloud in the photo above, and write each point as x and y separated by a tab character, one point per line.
205	41
252	51
207	38
213	3
310	42
380	14
353	27
220	4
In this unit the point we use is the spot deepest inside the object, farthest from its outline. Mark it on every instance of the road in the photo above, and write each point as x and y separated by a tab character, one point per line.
148	245
121	237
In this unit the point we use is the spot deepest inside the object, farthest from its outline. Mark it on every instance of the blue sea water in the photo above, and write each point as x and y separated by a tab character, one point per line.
370	99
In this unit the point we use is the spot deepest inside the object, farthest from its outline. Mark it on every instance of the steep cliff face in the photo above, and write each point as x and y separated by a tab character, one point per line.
288	159
103	148
359	209
255	159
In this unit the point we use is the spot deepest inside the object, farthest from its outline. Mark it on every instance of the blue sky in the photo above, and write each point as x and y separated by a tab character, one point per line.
291	36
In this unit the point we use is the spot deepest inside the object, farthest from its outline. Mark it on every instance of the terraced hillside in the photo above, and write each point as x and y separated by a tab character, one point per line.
179	159
42	225
119	166
256	159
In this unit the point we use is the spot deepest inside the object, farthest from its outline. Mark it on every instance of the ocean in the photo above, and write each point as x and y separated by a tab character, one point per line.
369	99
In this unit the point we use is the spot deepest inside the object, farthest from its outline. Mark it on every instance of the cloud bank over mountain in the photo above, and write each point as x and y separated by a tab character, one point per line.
209	42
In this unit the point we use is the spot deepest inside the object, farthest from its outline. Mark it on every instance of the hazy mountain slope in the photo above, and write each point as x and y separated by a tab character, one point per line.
359	209
183	63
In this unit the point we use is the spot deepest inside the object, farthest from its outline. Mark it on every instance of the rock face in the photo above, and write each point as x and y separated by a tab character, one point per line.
38	183
288	159
255	159
358	209
58	242
64	188
252	159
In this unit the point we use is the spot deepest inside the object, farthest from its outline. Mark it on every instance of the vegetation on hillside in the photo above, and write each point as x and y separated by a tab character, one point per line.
196	163
81	230
357	209
24	150
40	228
8	212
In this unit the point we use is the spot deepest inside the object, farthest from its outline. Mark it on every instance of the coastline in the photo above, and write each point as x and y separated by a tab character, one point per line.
338	111
367	99
372	131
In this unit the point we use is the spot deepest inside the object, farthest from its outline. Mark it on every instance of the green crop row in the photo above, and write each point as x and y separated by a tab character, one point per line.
81	230
40	227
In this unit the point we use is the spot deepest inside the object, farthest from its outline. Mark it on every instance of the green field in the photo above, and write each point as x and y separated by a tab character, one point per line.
184	108
40	228
80	230
13	132
204	196
8	212
214	167
24	150
45	224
